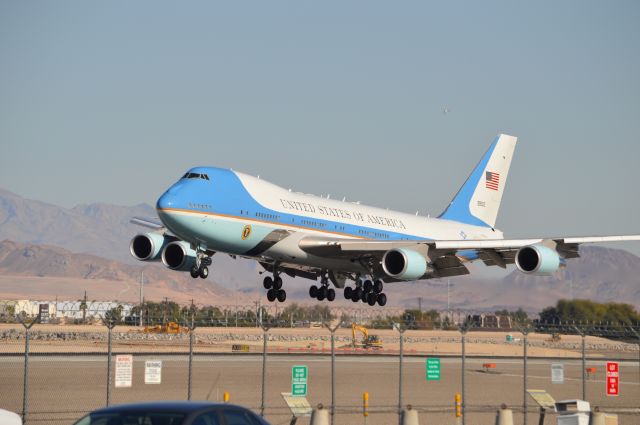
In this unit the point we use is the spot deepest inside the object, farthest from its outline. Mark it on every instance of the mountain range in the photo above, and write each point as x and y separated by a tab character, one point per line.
49	251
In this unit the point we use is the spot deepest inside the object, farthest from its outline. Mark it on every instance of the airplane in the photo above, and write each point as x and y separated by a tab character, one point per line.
214	210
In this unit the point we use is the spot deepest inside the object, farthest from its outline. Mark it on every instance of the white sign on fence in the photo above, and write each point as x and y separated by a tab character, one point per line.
557	373
124	370
153	372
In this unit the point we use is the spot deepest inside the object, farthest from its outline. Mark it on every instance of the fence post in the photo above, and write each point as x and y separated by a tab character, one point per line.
333	367
463	332
525	333
583	334
25	382
637	334
265	329
192	328
400	330
110	323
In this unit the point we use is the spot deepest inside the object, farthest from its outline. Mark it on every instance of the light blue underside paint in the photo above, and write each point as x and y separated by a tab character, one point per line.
458	209
225	235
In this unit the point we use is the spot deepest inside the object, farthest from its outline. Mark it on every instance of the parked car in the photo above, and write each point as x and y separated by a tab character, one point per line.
173	413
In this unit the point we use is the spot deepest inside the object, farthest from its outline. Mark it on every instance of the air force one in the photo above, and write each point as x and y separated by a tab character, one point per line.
213	210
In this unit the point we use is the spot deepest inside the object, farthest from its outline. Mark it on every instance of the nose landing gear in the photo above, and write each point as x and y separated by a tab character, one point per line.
367	291
201	269
274	288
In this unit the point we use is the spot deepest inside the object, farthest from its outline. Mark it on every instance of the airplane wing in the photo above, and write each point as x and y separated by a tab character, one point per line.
147	222
447	257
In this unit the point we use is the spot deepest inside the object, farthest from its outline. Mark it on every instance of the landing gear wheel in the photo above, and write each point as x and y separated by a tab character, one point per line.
281	295
363	296
322	293
271	295
355	296
267	282
204	272
348	292
331	294
368	286
277	283
371	299
194	272
377	286
382	300
313	291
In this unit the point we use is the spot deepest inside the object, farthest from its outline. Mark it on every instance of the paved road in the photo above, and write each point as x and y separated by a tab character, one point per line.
63	387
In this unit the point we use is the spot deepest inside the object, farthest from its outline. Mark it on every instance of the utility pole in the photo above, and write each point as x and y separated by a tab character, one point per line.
141	297
449	295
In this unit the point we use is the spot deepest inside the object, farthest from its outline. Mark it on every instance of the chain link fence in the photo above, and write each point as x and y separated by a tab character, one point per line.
61	360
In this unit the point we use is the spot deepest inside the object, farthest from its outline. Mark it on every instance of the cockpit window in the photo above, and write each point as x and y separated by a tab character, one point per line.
195	176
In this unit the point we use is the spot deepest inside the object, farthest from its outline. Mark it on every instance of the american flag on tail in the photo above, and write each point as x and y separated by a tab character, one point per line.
492	180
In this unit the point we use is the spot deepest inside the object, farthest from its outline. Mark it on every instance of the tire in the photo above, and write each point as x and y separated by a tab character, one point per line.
313	291
367	285
267	282
331	294
371	299
348	292
271	295
382	300
194	272
378	285
322	293
204	272
281	295
363	297
277	283
357	294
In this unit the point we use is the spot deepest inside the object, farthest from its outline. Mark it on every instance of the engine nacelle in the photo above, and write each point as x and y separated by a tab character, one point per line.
149	246
178	255
537	260
405	264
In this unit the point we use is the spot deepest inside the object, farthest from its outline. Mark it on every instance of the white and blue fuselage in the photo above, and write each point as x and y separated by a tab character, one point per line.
213	207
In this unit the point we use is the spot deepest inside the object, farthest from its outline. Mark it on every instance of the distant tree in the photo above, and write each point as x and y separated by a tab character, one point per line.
589	311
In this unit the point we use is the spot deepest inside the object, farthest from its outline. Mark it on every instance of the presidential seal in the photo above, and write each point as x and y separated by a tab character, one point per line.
246	232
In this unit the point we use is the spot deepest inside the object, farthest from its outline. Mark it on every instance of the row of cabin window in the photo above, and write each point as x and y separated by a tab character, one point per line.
374	234
269	216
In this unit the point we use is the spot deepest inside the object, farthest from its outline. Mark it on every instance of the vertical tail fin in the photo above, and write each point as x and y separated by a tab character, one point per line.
478	200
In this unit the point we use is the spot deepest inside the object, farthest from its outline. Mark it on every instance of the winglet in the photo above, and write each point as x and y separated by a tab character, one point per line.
478	200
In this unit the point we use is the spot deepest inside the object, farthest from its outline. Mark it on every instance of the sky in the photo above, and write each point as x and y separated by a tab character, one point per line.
113	101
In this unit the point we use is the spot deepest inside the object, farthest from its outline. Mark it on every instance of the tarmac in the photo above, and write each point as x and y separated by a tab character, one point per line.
62	388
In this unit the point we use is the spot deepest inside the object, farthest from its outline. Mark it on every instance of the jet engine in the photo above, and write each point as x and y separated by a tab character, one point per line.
149	246
178	255
537	260
405	264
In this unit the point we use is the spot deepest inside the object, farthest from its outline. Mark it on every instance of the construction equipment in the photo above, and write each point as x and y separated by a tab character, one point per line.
368	341
167	328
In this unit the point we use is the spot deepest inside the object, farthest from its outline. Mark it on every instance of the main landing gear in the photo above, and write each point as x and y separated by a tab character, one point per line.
367	291
274	286
323	292
201	268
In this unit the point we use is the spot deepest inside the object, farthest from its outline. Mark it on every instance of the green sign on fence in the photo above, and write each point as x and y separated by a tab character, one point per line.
299	381
433	369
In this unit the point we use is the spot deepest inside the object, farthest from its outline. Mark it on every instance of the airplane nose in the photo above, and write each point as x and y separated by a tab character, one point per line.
165	201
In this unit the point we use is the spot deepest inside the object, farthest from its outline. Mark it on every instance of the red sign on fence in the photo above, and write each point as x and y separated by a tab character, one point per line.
613	378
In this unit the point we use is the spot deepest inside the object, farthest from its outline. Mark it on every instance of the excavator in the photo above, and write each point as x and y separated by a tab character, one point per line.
368	341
